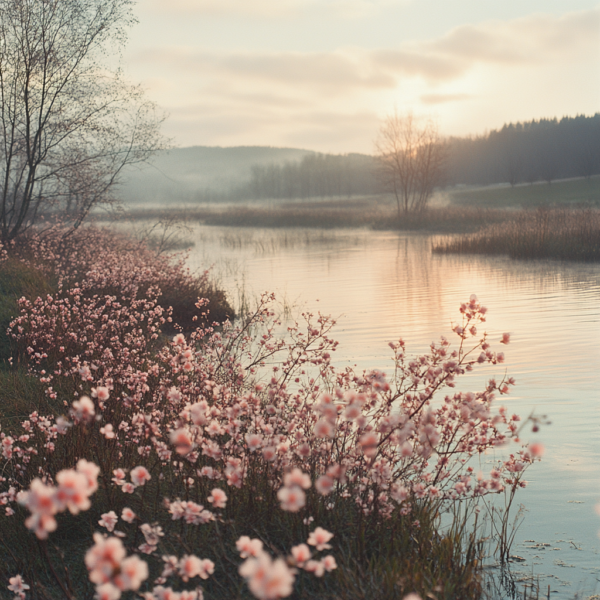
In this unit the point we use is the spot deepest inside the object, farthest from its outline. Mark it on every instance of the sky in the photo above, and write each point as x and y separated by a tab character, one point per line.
323	74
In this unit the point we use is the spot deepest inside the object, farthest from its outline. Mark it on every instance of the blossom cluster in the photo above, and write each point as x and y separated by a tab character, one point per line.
270	579
188	429
73	490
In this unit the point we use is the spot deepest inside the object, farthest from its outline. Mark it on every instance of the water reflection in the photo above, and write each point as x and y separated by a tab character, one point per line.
384	286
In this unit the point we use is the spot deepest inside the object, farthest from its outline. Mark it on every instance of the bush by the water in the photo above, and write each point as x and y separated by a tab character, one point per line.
231	461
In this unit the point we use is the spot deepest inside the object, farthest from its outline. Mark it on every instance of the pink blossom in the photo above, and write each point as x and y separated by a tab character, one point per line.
85	373
83	409
248	547
537	449
182	440
319	538
174	395
218	498
119	476
107	591
301	554
101	393
103	559
269	453
109	520
152	533
329	563
140	475
189	566
91	472
324	485
369	443
316	567
17	585
254	441
505	338
133	571
40	500
179	340
297	477
292	498
73	492
128	515
352	411
107	431
267	579
324	428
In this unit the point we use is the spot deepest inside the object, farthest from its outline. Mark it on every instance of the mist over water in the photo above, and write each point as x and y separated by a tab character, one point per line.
383	285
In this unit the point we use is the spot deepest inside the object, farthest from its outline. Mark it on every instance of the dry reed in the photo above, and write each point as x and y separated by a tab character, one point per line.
562	234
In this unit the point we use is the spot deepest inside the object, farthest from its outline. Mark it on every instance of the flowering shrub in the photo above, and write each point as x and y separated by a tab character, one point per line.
98	261
239	438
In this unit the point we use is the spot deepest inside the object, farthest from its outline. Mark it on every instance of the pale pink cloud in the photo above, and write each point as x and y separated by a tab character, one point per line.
272	9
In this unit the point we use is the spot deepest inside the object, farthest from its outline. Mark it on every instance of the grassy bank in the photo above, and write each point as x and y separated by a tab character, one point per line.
215	437
560	234
558	193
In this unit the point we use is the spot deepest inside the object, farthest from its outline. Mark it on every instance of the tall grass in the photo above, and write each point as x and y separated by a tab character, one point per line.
370	215
562	234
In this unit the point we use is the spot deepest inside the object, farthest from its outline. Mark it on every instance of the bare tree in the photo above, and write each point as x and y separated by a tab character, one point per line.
410	157
69	123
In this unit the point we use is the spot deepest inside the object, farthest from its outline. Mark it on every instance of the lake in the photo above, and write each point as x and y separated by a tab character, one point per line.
382	286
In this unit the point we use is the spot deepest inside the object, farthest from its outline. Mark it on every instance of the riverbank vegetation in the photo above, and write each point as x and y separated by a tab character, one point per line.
144	454
371	213
562	234
534	221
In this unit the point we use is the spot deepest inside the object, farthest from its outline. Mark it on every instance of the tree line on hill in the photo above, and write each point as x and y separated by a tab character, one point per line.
543	150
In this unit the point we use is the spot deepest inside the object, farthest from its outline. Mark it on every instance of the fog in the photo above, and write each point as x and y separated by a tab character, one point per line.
536	151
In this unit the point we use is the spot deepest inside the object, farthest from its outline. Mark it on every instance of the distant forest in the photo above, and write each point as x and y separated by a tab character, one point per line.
543	150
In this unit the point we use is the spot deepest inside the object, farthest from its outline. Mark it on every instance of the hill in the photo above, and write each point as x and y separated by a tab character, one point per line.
199	173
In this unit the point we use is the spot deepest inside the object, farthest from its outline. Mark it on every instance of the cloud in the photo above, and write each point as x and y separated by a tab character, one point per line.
272	9
443	98
296	97
534	40
415	62
219	125
333	72
531	39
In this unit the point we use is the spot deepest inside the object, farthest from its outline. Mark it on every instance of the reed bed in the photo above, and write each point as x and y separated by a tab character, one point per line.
562	234
379	215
